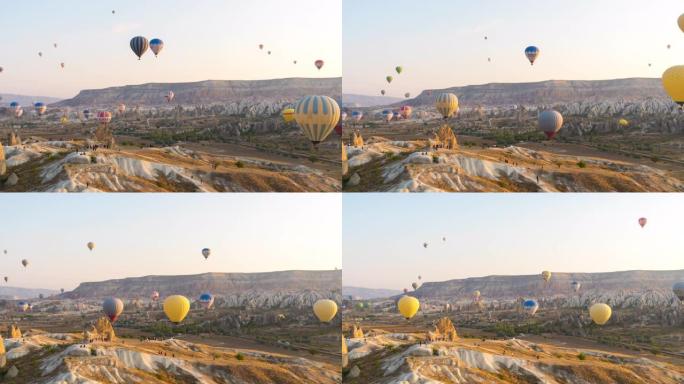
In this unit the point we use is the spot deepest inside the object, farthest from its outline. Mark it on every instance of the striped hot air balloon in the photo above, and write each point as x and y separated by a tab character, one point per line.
40	108
317	116
447	104
104	117
139	45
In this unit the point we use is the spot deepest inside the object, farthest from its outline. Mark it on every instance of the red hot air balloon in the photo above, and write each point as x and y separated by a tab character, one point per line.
643	221
319	64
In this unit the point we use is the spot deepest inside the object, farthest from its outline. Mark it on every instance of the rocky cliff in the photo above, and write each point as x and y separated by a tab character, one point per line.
255	290
242	96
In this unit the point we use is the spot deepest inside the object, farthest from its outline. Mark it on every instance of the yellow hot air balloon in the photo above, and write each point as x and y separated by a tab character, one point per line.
447	104
288	114
408	306
673	82
680	22
600	313
325	310
64	120
176	307
317	116
623	122
546	275
91	245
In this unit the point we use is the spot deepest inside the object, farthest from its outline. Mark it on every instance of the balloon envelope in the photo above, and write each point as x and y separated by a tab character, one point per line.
206	252
317	117
643	221
530	306
600	313
546	276
139	46
325	310
91	245
176	307
156	45
112	307
532	54
288	114
206	300
447	104
550	122
673	82
408	306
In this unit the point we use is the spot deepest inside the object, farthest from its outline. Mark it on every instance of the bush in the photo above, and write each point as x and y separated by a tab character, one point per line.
239	164
582	356
582	164
240	356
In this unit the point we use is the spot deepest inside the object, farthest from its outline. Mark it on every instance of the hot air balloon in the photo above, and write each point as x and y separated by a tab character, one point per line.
170	96
206	252
407	95
678	290
6	278
600	313
154	296
680	22
343	116
113	11
261	46
546	276
530	306
1	69
389	79
25	263
139	46
40	54
156	46
575	286
414	285
643	221
61	65
476	295
397	115
91	245
40	108
176	307
532	53
623	122
447	104
112	307
444	238
64	120
382	92
319	64
405	111
550	122
420	277
408	306
317	116
61	290
673	82
425	245
399	70
206	300
405	290
325	310
22	306
269	52
295	62
669	46
15	105
387	115
357	116
18	112
288	114
104	117
122	108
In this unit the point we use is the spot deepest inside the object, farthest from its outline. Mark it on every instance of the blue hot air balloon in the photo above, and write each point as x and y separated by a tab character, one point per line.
207	300
14	104
532	53
357	115
139	46
530	306
156	45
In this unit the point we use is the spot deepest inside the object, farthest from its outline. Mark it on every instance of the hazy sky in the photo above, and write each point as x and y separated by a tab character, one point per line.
505	234
206	39
440	43
163	234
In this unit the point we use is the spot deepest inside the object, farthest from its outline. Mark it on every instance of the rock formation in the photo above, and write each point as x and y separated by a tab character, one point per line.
444	331
345	160
357	332
345	356
12	139
444	139
3	162
356	139
14	332
102	331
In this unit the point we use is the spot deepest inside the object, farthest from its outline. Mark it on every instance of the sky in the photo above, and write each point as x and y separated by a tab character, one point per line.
440	43
164	234
207	39
505	234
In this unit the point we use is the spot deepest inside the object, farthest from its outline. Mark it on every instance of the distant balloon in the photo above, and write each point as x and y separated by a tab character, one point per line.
678	290
40	54
406	111
269	52
414	285
170	96
600	313
112	307
18	112
154	296
288	114
530	306
206	300
25	263
261	46
407	95
357	116
425	245
476	295
389	79
680	22
104	117
669	46
14	104
623	122
575	286
643	221
54	45
86	114
319	64
325	310
399	70
485	37
40	108
139	45
447	104
6	279
113	11
294	62
156	46
387	115
206	252
420	277
91	245
405	290
22	306
122	108
382	92
343	116
546	276
550	122
61	290
317	117
408	306
532	54
176	307
1	69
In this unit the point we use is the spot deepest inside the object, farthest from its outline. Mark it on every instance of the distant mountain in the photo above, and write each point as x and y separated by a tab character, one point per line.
363	101
268	289
631	287
551	92
359	293
15	293
242	93
25	101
